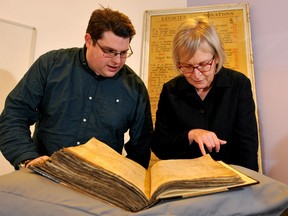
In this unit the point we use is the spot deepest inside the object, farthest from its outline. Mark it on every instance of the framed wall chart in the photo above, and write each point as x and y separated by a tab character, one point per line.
232	22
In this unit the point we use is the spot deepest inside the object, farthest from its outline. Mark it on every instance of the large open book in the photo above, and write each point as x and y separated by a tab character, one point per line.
98	170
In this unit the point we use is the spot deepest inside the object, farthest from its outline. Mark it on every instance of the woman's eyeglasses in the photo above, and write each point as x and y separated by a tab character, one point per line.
187	69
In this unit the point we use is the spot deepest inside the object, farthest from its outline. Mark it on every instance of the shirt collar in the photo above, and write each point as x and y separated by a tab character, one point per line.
221	80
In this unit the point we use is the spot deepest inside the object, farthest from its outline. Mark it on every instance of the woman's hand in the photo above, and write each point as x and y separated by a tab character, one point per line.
205	138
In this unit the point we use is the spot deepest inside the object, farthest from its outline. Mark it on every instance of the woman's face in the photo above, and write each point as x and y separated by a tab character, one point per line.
199	70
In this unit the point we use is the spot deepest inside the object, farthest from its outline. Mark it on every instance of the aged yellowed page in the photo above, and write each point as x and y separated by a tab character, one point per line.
112	161
199	173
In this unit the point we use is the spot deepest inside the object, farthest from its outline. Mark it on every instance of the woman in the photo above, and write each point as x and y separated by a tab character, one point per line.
207	108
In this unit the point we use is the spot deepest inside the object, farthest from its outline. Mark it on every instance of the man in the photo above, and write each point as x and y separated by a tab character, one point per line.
75	94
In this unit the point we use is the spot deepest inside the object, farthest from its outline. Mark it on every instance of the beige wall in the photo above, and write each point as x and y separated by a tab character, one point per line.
63	23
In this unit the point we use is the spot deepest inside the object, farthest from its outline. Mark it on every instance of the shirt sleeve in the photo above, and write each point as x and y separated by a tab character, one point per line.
138	146
20	112
246	129
168	141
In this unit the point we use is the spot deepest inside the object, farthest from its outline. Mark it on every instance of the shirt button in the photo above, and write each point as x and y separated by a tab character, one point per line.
84	120
90	98
78	143
202	111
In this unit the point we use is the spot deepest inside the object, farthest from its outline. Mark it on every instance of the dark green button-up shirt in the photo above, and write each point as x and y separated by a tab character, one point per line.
71	104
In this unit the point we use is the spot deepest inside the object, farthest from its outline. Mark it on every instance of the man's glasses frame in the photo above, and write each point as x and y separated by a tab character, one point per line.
109	53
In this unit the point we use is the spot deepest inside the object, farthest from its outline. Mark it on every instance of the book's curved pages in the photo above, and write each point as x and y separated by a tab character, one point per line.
98	170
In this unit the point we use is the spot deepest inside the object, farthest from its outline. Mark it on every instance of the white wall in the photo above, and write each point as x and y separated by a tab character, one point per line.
63	24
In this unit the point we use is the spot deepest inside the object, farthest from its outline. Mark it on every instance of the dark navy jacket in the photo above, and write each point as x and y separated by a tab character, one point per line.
228	110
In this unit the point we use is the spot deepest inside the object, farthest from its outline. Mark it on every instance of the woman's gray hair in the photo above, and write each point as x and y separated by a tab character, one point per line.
194	34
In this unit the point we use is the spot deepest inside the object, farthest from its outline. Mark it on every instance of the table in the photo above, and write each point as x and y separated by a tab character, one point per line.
24	192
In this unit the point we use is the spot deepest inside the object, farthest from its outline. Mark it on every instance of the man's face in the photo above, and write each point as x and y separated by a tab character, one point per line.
107	56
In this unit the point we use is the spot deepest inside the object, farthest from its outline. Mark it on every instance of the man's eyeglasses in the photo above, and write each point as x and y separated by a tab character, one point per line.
187	69
109	53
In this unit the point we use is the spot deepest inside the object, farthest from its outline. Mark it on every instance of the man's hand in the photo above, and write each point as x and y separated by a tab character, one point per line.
36	160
